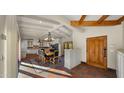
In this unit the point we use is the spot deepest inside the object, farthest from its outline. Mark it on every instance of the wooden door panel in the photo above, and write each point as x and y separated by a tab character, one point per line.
96	51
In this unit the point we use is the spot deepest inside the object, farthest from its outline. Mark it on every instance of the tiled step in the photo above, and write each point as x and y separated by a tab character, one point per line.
44	71
30	74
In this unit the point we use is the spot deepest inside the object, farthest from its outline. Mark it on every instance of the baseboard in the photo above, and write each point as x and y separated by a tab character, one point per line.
83	62
111	69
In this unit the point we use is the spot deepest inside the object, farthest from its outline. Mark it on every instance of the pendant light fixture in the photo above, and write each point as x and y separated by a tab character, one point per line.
49	37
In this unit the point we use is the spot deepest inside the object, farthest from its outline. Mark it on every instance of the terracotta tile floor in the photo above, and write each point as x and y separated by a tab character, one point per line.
81	71
86	71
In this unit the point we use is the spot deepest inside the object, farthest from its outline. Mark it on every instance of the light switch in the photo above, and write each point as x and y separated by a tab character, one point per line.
1	58
3	36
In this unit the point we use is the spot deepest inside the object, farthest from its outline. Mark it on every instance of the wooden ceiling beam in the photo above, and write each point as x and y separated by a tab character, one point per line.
82	18
120	19
102	18
94	23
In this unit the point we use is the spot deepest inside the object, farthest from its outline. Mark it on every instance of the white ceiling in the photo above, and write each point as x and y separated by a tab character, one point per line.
73	17
33	26
92	17
38	26
114	17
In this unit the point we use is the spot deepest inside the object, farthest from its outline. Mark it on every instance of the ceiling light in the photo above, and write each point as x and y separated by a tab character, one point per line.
49	38
46	39
40	21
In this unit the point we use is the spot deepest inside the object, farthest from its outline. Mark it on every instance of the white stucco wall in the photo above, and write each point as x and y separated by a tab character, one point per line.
114	40
123	33
2	45
11	65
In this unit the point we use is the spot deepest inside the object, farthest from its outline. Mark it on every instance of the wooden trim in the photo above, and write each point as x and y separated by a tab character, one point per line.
120	19
100	22
94	23
102	18
82	18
